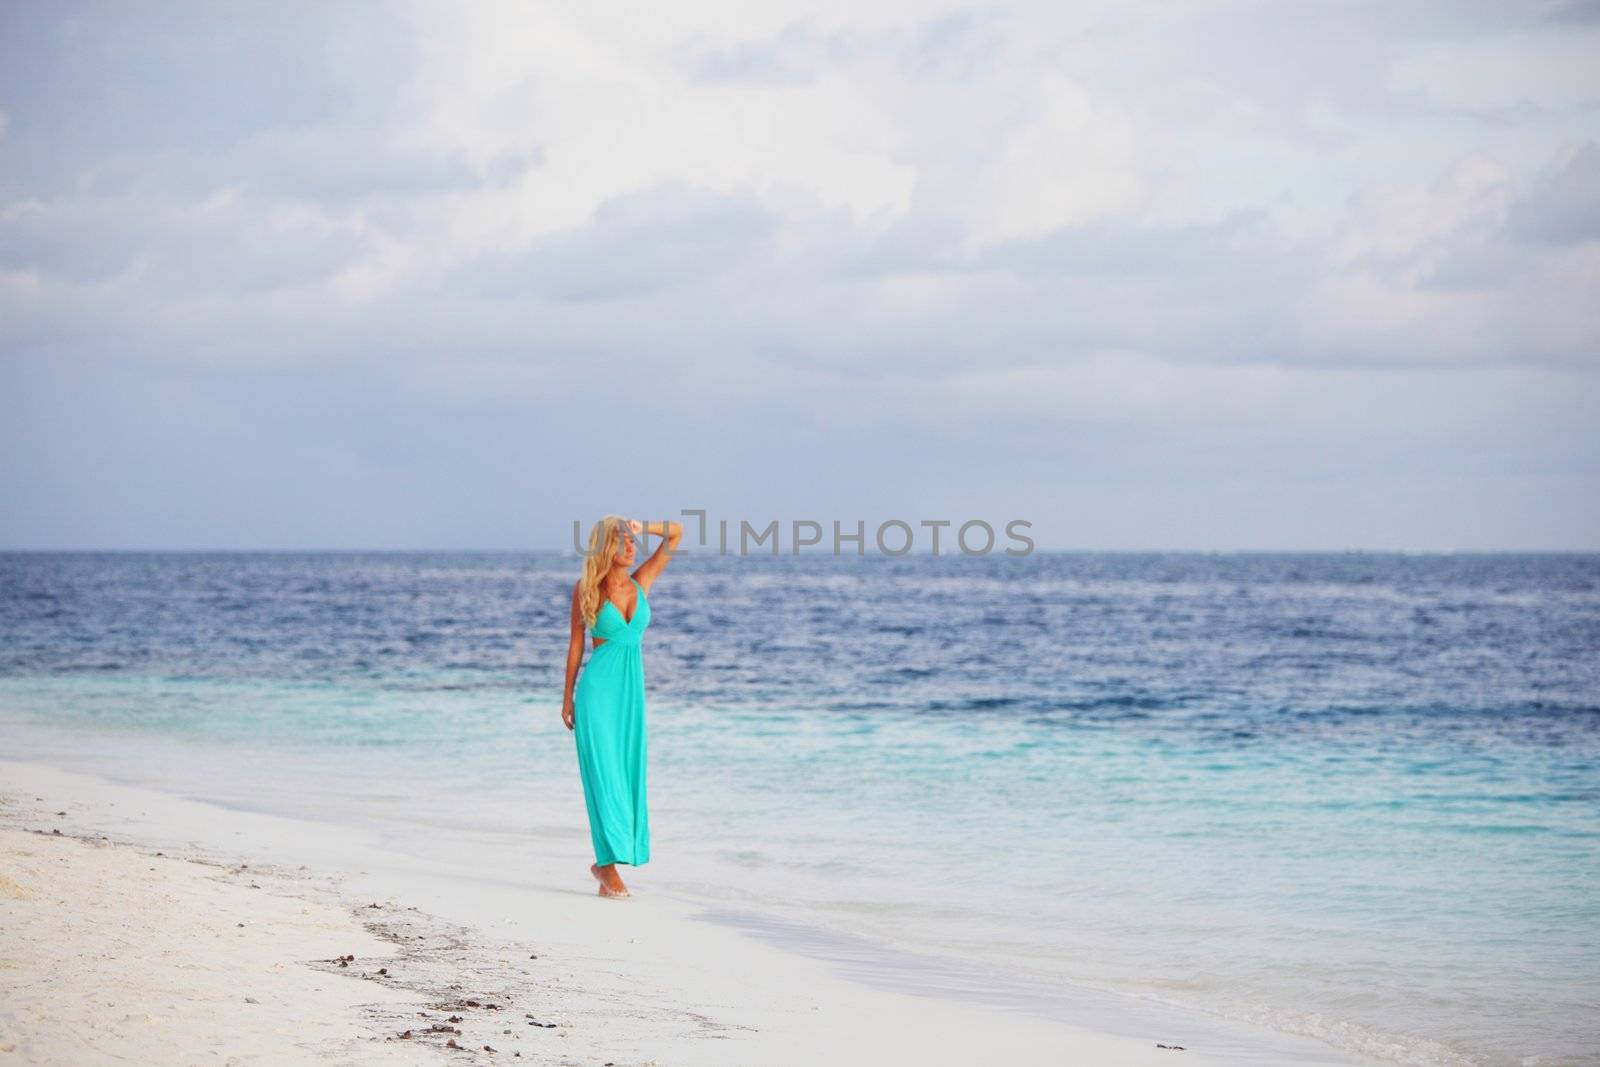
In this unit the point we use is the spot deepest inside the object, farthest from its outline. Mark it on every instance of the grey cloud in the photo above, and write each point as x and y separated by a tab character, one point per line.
1115	247
1223	292
105	79
1563	205
759	62
917	243
1477	264
176	246
636	245
952	45
959	44
793	56
150	206
334	165
1261	70
1574	11
1559	208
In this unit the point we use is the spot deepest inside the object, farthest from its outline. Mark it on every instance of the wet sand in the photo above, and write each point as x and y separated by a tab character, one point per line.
132	936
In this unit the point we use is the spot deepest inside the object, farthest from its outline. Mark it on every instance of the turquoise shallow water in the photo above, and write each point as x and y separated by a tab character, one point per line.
1351	797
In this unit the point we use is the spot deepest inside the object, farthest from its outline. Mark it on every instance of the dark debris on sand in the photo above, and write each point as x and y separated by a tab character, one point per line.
470	989
446	965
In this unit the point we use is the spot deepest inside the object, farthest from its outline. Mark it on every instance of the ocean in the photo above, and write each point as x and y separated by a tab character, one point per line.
1350	796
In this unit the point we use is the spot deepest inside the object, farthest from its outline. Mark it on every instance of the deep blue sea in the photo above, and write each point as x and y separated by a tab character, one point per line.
1355	796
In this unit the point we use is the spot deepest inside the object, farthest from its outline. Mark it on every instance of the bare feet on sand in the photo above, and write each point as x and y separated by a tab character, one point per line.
610	881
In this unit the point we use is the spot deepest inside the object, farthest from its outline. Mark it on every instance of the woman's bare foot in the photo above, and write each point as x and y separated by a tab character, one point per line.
610	881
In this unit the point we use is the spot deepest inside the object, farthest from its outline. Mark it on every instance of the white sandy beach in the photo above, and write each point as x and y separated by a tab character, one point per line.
146	928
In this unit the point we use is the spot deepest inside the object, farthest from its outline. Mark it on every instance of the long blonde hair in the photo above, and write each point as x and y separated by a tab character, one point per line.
605	538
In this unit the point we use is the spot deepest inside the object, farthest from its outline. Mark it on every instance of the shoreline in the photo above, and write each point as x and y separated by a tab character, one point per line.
648	980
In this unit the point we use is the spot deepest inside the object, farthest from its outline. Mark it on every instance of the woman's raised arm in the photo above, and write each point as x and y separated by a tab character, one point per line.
670	533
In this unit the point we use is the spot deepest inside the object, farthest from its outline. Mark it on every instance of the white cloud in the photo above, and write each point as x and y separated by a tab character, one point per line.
1254	218
1548	68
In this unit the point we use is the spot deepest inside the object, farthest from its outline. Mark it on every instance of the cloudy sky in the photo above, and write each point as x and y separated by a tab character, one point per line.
1239	274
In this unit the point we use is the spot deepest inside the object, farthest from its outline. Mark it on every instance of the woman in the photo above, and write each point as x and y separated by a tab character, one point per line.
605	710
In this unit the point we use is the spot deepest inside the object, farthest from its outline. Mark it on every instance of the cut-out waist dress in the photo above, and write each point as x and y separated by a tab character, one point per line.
609	726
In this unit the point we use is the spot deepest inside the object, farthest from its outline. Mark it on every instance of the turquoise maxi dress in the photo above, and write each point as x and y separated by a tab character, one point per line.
608	722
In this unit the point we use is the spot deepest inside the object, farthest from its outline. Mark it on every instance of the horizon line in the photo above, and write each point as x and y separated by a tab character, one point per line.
956	554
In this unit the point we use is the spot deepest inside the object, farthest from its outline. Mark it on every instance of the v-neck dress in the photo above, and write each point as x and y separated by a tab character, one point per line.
609	724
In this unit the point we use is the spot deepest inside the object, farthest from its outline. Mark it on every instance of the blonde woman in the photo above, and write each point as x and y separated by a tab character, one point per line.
606	708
